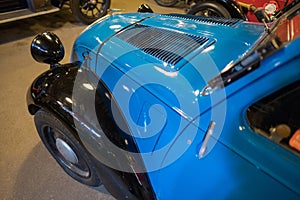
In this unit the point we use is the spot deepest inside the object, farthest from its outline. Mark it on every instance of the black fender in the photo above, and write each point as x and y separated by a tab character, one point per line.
53	91
232	7
50	92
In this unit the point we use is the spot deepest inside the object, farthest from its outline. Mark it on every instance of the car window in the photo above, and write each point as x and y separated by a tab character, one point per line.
277	117
288	29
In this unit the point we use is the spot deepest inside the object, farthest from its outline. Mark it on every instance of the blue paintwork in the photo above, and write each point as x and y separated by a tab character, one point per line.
242	164
239	38
251	174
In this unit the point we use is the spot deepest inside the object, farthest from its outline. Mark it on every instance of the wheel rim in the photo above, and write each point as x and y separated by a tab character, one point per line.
167	2
209	12
91	8
65	152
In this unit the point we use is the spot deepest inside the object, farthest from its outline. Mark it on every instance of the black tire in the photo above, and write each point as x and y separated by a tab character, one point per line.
66	149
166	3
87	11
209	8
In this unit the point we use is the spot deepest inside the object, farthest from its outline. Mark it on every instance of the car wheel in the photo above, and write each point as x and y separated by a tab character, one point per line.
167	3
87	11
66	149
209	8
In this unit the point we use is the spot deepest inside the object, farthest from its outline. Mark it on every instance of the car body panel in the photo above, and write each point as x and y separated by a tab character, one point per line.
135	63
98	32
165	116
128	61
127	57
265	154
244	146
53	92
273	162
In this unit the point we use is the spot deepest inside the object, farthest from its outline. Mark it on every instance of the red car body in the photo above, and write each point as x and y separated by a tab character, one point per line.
270	7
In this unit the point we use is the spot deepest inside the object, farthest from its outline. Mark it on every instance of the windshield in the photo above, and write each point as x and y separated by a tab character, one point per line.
281	31
278	34
287	27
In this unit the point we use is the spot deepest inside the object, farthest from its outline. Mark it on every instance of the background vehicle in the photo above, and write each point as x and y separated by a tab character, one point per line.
227	120
85	11
250	10
169	3
166	2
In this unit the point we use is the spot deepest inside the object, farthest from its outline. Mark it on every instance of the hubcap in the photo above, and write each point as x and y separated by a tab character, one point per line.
66	151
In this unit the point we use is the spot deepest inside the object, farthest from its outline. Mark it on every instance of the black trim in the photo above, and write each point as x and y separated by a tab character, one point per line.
52	92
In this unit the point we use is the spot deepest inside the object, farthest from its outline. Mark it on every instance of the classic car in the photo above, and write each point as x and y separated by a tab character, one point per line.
170	106
85	11
250	10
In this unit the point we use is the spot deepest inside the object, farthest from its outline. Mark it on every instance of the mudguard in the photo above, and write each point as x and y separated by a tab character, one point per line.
232	8
53	92
54	97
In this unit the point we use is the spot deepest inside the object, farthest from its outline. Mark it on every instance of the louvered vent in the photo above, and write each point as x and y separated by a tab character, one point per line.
210	20
168	46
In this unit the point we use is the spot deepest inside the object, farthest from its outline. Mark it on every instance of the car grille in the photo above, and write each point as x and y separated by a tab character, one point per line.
210	20
166	45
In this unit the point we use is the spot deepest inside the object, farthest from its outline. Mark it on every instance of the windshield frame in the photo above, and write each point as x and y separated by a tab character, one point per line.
265	45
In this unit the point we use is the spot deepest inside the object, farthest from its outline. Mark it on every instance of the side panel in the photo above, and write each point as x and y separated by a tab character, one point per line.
65	91
266	155
222	174
242	164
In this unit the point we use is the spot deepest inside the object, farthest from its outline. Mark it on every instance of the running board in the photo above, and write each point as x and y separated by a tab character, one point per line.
22	14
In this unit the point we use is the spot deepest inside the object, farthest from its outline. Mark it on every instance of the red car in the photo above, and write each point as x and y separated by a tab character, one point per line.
251	10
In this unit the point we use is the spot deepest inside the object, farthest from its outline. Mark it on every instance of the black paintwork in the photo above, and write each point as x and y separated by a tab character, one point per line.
51	91
58	3
232	7
145	8
47	48
10	5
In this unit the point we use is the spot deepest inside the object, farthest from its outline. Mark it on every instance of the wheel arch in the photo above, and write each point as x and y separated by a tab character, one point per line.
42	94
52	92
233	8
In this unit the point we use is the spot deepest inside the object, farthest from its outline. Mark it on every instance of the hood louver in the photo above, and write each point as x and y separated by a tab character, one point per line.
165	45
210	20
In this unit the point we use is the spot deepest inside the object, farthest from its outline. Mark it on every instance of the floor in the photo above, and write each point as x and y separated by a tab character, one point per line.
27	171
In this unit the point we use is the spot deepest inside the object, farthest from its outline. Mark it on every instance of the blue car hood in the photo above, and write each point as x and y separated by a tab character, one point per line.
181	52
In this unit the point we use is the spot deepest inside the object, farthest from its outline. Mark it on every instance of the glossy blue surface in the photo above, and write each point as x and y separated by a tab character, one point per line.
225	44
168	117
